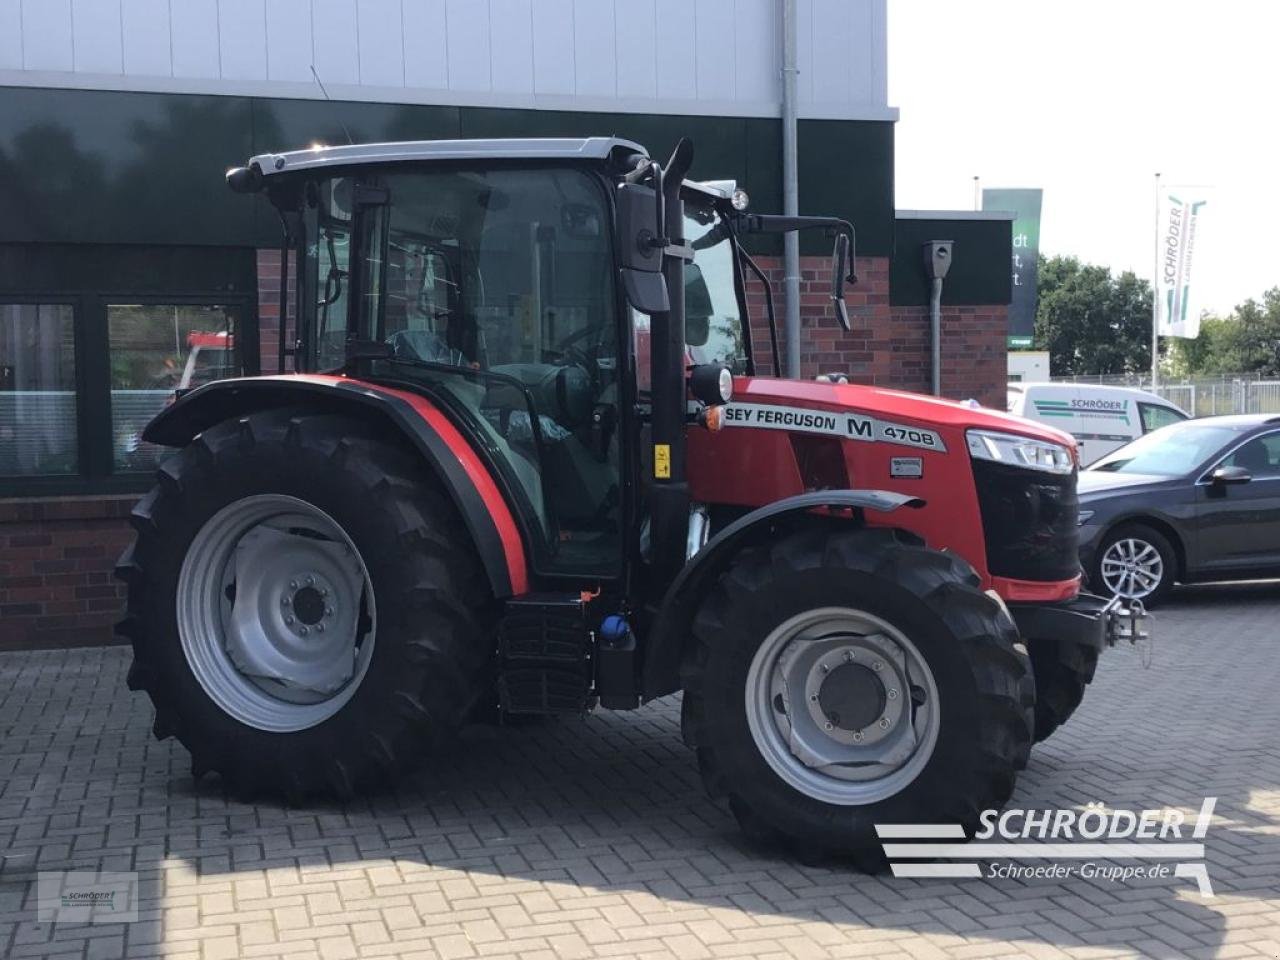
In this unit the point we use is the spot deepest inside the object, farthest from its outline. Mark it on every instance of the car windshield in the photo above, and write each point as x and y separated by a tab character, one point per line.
1171	451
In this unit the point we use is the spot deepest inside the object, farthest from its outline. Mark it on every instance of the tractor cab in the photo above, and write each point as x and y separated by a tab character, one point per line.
515	282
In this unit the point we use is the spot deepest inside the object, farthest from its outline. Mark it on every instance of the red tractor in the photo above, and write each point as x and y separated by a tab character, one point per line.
526	468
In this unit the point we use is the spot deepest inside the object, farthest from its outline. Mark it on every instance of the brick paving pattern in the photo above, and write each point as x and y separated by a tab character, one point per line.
594	839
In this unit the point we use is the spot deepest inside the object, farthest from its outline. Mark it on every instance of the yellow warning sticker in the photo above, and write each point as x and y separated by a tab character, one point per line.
662	461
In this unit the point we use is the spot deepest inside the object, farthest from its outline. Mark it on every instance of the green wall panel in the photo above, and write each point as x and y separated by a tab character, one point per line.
979	267
118	167
99	167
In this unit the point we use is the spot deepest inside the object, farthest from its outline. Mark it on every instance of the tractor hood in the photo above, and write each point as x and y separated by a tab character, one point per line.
917	408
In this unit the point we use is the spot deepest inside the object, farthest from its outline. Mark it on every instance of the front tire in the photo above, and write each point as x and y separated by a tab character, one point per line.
923	713
1136	562
305	608
1063	669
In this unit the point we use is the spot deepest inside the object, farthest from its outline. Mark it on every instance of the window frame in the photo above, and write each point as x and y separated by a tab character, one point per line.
91	342
1145	405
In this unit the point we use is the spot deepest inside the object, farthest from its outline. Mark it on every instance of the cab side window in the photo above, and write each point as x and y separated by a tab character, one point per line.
1260	456
1155	416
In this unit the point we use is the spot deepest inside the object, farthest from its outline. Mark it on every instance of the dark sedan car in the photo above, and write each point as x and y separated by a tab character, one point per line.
1194	501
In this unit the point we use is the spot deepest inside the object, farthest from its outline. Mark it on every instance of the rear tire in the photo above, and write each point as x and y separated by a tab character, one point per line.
419	637
1063	668
965	663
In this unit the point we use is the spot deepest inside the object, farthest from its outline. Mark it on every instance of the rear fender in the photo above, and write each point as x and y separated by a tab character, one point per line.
663	655
443	448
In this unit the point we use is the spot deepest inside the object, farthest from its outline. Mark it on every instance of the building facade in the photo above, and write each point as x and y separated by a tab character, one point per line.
128	269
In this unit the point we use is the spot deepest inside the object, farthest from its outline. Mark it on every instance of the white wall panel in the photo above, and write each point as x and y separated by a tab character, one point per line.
195	38
147	37
46	35
676	49
553	68
426	50
511	45
335	41
650	56
713	27
469	50
242	39
594	48
635	47
289	47
381	43
833	50
757	54
95	36
10	34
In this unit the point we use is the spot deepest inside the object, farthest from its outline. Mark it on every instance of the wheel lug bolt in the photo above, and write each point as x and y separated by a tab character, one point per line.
303	631
319	628
884	721
893	694
813	698
848	656
288	620
328	611
857	736
293	584
311	581
285	601
877	665
828	725
825	668
324	592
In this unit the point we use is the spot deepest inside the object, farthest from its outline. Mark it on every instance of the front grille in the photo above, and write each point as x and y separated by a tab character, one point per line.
1029	519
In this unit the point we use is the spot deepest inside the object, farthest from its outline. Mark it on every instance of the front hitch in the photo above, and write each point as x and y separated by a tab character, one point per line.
1126	620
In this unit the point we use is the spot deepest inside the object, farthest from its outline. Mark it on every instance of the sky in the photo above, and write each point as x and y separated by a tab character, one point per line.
1089	100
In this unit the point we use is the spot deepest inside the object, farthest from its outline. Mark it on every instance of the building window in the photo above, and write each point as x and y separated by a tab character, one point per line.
157	348
38	433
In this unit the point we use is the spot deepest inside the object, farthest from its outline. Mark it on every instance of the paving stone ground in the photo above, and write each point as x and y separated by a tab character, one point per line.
594	838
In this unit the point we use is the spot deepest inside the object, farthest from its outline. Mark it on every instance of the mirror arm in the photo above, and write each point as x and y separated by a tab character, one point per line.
768	306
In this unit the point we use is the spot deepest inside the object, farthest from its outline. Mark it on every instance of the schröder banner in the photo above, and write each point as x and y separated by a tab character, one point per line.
1178	254
1025	206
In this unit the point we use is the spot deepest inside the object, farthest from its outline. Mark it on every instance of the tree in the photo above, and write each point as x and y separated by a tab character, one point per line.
1092	322
1247	340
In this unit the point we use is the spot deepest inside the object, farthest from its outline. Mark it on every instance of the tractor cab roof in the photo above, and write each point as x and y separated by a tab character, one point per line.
252	177
535	148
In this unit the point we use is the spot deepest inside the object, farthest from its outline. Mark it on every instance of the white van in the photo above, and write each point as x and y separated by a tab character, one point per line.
1100	418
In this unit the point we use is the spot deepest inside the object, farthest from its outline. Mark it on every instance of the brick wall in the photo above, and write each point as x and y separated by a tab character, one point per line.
269	311
57	554
888	345
56	560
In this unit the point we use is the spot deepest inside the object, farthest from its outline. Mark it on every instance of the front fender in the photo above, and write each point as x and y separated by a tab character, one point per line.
442	447
663	654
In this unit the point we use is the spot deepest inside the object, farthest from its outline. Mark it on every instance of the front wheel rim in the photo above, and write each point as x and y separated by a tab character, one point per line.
842	706
1132	568
275	613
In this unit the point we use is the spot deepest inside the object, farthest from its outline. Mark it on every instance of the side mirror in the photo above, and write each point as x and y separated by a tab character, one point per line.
1225	476
639	227
840	267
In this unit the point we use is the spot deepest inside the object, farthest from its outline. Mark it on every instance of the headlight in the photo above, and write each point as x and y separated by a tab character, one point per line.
1083	517
1016	451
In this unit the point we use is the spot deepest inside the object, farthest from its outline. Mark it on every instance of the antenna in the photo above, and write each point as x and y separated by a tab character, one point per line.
329	99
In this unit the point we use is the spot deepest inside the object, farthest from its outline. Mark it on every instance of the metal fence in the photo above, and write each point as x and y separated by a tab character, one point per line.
1201	397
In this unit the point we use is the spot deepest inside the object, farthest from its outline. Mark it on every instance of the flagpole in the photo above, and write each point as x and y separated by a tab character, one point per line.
1155	298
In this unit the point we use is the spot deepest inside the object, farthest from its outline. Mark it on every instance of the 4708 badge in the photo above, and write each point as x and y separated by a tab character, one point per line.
849	426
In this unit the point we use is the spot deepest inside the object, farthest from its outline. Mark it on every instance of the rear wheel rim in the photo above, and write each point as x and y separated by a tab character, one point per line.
1132	568
842	706
275	613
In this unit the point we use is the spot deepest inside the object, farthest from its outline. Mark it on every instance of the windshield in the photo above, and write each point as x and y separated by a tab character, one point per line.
713	321
1172	451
